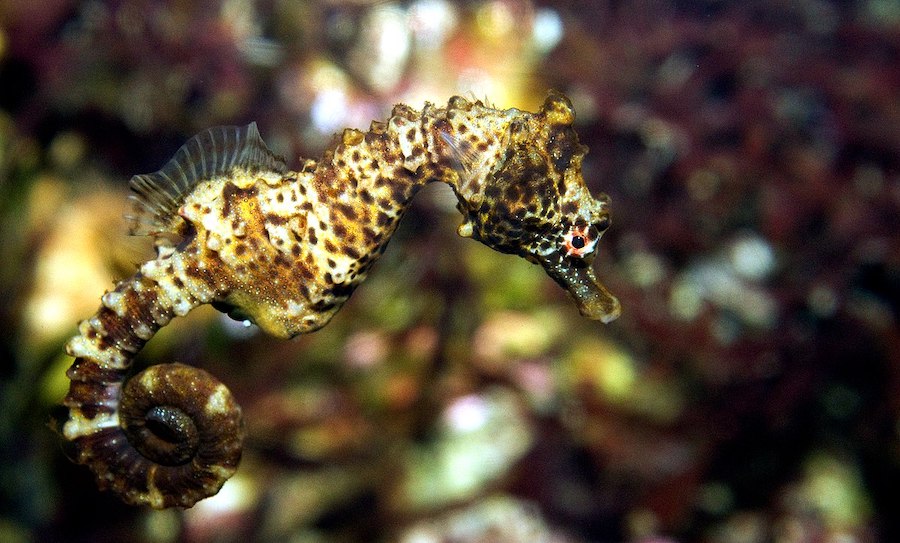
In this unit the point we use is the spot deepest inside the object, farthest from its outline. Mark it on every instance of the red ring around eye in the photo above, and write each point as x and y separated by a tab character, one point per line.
576	242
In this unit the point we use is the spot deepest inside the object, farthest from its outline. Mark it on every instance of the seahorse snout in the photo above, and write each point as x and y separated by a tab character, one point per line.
576	275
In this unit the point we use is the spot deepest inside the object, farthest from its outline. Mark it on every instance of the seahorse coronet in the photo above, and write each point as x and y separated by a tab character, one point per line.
235	227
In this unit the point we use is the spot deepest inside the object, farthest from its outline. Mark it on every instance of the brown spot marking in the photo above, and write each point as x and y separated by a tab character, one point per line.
232	195
399	193
441	125
322	305
326	179
341	290
375	134
561	185
513	193
84	369
346	210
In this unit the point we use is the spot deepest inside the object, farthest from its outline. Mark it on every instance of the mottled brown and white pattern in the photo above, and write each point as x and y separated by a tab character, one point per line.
285	249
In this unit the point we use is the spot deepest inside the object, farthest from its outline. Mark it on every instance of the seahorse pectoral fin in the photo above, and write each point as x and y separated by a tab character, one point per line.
575	275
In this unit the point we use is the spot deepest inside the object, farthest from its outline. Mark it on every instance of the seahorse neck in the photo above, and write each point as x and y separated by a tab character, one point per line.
365	181
457	144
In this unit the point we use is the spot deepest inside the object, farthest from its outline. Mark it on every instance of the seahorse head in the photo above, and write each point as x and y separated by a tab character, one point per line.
534	203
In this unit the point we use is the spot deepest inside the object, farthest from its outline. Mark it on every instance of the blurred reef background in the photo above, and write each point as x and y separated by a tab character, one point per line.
749	393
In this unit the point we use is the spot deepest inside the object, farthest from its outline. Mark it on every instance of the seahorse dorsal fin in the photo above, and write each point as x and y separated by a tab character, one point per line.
217	151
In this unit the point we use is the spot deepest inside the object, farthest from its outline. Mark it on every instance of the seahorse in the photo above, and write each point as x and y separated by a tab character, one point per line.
234	227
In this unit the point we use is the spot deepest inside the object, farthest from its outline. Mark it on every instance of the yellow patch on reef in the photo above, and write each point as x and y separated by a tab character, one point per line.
610	369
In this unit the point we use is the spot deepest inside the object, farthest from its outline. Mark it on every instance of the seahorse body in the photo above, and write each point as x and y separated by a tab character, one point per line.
285	249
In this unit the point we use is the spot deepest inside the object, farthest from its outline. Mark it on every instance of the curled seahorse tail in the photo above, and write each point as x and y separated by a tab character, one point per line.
168	436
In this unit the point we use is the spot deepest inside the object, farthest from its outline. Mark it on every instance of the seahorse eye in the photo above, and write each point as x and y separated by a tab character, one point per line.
578	241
